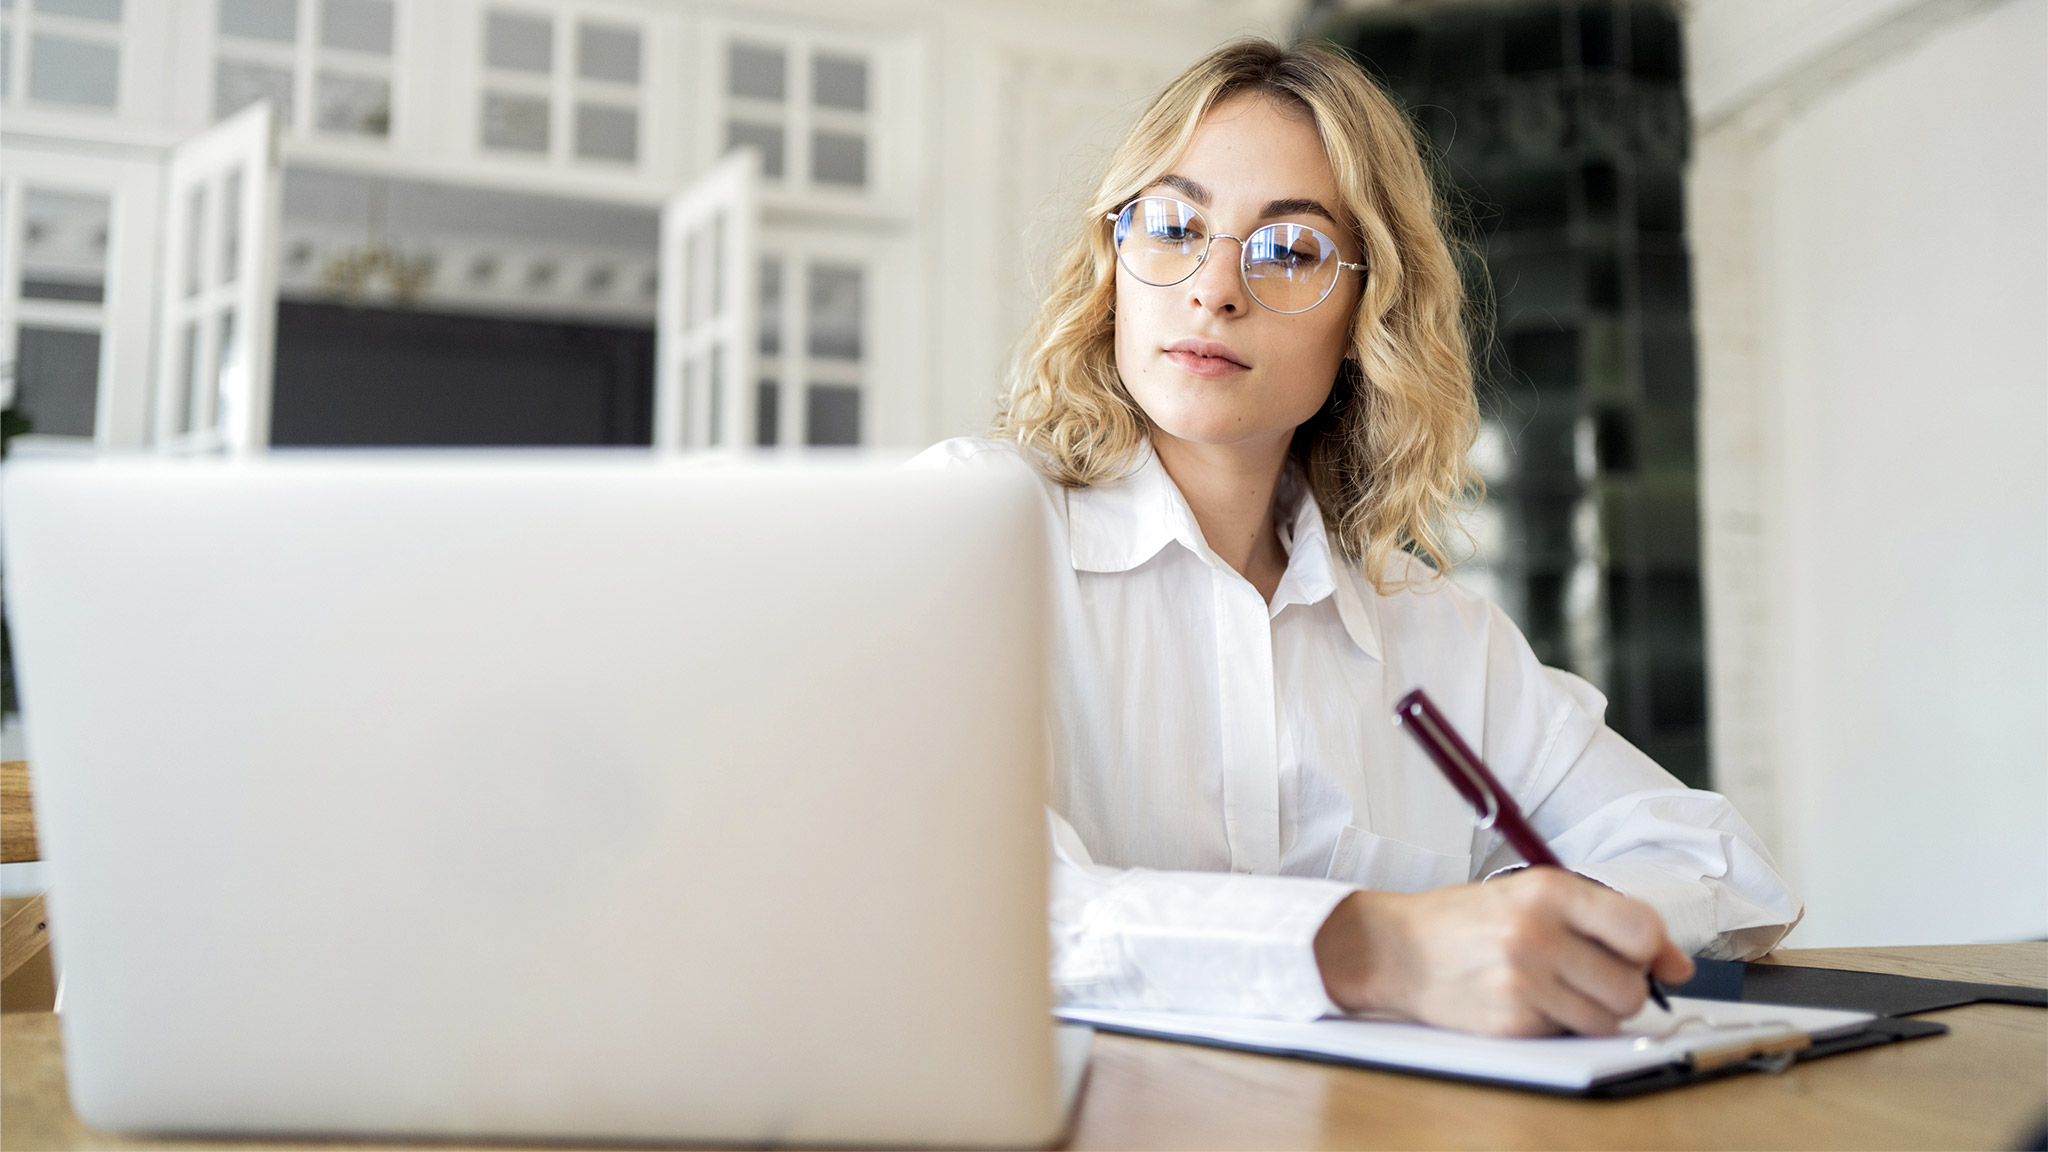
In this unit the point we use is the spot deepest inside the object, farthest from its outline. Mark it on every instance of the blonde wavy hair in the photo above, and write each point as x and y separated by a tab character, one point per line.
1386	457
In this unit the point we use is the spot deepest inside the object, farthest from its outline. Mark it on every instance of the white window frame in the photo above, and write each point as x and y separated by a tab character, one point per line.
125	314
564	87
350	62
23	21
891	408
246	142
691	335
883	123
305	57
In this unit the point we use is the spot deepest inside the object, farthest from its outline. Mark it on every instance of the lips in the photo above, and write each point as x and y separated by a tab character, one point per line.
1205	358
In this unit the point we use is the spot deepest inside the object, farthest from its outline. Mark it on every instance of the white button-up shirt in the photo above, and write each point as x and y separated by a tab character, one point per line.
1227	769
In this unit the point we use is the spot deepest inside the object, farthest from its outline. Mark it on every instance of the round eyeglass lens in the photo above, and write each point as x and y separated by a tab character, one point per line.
1290	267
1160	241
1287	267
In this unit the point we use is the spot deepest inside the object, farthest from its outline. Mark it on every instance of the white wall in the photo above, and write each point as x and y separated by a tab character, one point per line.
1870	222
1031	98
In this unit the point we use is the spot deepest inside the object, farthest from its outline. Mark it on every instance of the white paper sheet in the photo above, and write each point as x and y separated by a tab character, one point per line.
1648	1040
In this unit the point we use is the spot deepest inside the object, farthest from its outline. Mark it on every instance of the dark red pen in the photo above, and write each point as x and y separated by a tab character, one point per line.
1469	775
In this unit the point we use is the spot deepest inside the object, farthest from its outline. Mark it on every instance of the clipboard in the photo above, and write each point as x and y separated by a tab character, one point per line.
1881	993
1699	1040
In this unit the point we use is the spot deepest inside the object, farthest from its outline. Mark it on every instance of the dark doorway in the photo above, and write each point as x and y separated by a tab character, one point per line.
379	377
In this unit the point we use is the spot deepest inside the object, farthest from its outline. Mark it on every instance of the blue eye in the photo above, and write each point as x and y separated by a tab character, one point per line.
1290	247
1162	224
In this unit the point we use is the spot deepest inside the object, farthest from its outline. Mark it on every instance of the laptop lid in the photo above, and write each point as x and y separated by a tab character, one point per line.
541	795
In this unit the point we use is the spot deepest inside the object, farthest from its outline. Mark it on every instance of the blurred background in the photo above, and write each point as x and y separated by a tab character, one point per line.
1766	389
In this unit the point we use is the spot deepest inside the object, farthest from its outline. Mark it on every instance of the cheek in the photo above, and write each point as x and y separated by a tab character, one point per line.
1134	332
1334	330
1319	349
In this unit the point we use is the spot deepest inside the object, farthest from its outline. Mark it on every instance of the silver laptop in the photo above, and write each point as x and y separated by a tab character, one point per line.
542	796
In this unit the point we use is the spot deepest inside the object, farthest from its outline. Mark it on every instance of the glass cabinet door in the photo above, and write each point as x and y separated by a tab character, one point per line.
219	286
705	328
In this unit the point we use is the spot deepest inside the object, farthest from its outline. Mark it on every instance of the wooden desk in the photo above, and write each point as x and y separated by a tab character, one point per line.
1985	1085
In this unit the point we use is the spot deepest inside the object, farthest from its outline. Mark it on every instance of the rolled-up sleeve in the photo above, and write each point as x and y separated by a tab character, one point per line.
1219	943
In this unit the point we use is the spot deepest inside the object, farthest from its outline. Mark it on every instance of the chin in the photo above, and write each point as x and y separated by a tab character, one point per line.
1204	412
1208	426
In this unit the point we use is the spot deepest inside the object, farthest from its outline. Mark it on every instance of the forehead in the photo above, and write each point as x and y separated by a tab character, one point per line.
1252	149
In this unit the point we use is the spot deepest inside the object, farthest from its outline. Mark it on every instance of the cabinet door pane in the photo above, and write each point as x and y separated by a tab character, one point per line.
839	158
356	25
767	413
260	19
835	311
608	52
516	123
518	43
64	245
109	10
604	132
756	72
839	82
832	415
66	71
57	380
238	84
354	105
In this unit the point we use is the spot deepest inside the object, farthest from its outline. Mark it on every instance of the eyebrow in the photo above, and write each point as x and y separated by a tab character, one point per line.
1296	205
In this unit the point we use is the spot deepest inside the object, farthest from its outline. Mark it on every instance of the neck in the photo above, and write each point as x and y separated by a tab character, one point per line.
1231	488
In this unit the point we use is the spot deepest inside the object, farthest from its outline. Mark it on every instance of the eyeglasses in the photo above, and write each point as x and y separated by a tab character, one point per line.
1286	267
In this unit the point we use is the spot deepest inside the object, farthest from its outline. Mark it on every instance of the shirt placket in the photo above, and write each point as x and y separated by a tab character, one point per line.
1251	763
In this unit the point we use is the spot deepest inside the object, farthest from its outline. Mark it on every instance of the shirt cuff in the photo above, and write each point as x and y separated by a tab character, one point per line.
1681	901
1497	873
1219	944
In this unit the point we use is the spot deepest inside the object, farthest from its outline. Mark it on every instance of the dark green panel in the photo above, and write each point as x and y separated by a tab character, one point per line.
1564	125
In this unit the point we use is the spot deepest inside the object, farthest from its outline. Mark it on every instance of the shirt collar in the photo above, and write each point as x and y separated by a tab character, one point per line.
1314	572
1118	525
1310	574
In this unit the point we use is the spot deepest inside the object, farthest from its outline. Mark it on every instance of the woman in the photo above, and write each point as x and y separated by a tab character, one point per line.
1250	396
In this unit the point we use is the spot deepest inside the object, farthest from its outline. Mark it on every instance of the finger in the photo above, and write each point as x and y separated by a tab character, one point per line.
1574	1011
1629	928
1599	975
1671	965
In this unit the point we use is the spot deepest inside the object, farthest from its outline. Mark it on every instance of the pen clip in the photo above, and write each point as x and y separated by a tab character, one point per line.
1449	749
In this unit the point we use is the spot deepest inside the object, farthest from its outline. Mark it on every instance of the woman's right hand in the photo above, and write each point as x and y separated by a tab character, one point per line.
1533	953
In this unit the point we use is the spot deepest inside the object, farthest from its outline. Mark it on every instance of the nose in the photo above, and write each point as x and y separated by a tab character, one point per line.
1218	285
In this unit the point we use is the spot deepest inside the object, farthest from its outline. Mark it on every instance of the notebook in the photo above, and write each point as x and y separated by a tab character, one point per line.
1698	1039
